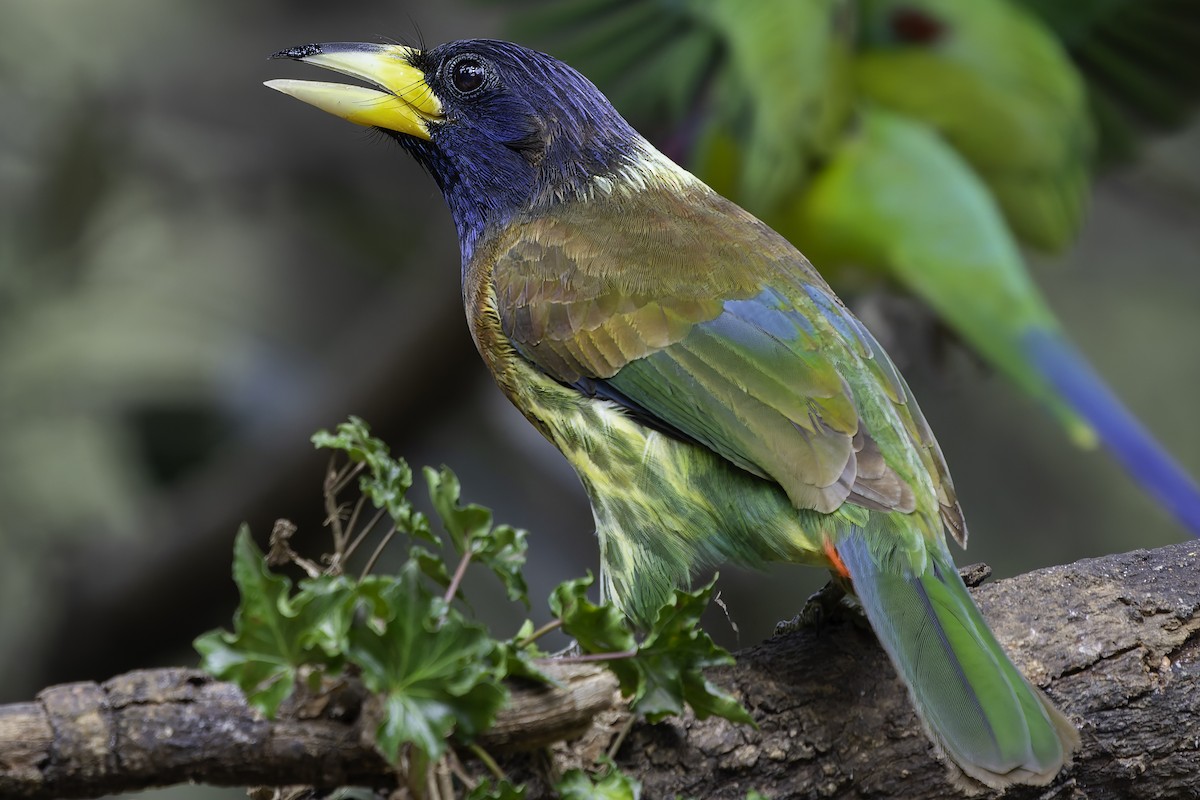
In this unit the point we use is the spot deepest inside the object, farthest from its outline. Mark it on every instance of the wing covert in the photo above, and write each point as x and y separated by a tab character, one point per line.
760	363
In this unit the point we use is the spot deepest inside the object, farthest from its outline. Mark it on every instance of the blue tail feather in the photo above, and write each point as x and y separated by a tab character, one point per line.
1143	457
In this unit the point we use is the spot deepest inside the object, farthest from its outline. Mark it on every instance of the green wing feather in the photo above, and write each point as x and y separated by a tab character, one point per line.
716	328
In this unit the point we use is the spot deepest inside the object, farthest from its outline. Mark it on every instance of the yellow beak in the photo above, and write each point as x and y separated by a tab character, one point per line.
403	103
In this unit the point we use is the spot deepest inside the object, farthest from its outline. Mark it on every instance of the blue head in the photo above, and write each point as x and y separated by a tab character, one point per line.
503	129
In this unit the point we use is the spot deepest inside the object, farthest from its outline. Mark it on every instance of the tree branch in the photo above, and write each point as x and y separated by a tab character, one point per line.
1115	641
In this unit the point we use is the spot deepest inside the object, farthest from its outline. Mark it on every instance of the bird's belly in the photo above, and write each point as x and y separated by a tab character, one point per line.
662	506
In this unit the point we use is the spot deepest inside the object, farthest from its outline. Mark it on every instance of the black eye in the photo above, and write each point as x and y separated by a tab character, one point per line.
467	75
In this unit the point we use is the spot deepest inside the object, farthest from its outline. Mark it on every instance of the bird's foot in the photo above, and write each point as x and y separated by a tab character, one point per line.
828	604
975	574
570	651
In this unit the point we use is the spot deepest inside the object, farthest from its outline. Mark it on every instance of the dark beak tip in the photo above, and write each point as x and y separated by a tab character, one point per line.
298	53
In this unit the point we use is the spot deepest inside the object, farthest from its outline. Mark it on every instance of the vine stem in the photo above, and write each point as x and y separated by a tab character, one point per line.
370	526
459	572
460	772
445	783
621	735
588	658
488	761
387	537
335	482
552	625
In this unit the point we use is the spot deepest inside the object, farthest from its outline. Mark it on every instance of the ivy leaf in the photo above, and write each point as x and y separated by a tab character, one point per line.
668	670
431	564
516	661
671	661
503	790
435	670
597	629
463	523
501	549
274	631
385	481
612	785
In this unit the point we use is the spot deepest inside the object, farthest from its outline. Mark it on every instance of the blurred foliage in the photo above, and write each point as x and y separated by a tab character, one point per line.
126	305
1139	59
162	287
994	77
775	88
611	785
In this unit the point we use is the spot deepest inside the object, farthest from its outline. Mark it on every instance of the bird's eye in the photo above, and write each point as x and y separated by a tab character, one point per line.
467	75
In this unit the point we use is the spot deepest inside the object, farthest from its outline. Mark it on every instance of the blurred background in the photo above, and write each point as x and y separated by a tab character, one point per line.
197	273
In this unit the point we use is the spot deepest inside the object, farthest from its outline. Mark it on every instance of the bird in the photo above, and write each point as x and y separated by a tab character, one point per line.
716	399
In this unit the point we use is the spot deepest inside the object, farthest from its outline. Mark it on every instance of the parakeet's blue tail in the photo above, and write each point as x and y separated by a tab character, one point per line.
991	722
1145	459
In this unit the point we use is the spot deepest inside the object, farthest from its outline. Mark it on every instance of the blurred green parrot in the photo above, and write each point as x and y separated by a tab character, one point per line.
1000	89
918	140
716	399
1139	61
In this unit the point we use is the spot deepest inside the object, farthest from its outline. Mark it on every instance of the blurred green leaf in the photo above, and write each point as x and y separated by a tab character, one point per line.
667	670
516	660
275	632
672	659
1139	60
435	670
385	481
501	549
613	784
431	564
500	790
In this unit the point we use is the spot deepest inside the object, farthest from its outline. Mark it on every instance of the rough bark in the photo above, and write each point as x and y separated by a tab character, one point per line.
1115	641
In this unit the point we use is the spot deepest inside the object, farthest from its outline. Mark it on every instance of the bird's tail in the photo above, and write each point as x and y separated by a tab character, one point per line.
991	722
1143	457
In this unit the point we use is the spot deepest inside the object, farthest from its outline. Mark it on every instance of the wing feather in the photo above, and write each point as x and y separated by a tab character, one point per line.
711	327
